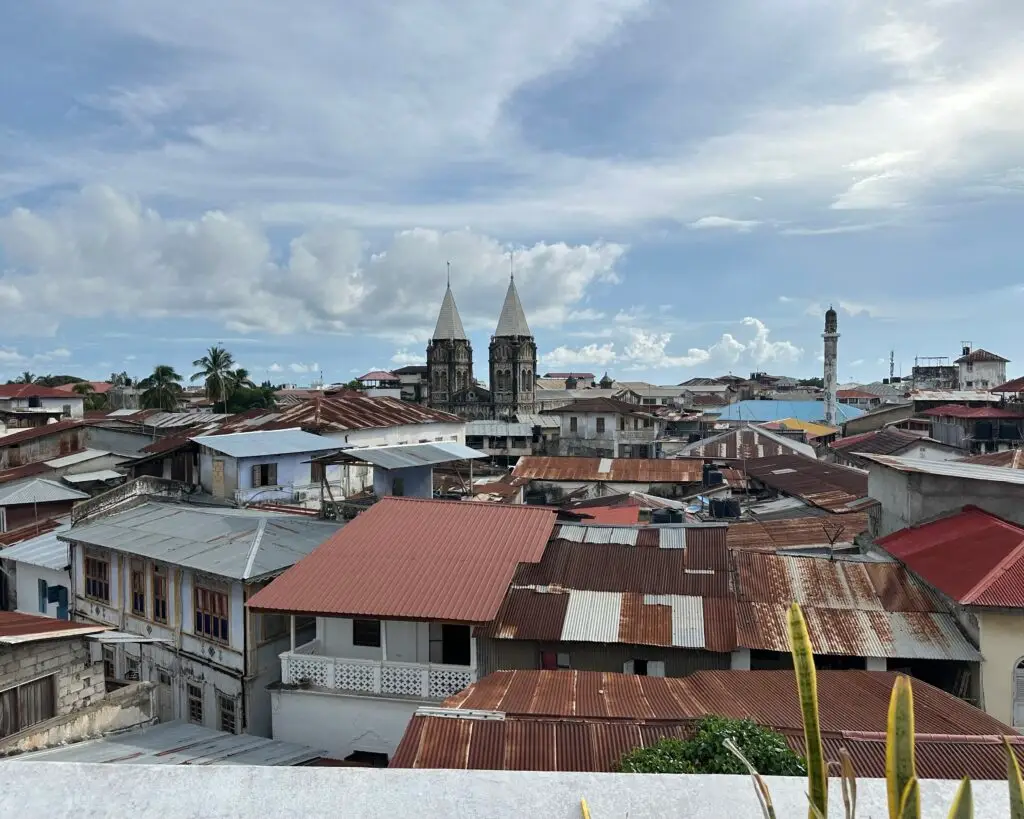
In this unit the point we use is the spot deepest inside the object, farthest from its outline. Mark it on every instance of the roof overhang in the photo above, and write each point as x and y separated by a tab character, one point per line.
125	637
73	630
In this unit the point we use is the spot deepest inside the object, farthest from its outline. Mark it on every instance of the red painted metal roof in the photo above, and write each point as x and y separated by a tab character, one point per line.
887	441
18	627
579	720
16	473
620	470
960	411
34	529
611	514
974	356
31	433
1014	385
30	391
415	559
377	375
854	394
973	556
98	387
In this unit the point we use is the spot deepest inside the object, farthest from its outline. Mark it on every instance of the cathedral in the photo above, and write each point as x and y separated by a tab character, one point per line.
512	359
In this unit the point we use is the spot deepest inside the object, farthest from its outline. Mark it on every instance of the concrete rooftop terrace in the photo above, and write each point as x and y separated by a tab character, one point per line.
79	789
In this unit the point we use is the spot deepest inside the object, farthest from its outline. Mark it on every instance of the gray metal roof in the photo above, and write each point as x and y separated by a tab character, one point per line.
178	743
499	428
535	419
37	490
234	543
99	475
81	457
950	469
512	321
400	456
45	550
266	442
449	325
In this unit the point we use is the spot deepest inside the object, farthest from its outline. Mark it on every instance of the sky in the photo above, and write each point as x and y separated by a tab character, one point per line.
681	188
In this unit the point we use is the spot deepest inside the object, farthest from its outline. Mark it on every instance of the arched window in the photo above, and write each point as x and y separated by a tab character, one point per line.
1018	694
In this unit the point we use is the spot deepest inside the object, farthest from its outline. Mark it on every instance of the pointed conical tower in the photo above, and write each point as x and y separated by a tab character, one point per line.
449	357
513	359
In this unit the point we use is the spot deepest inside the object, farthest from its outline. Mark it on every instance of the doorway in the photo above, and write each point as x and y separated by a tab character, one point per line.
455	644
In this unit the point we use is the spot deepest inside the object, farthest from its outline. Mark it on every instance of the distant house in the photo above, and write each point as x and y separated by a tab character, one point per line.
22	398
35	499
744	443
381	384
42	443
553	479
858	398
890	441
980	369
607	427
976	430
177	576
756	412
262	466
413	383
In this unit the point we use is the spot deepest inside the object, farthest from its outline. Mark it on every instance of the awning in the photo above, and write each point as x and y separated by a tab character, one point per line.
126	637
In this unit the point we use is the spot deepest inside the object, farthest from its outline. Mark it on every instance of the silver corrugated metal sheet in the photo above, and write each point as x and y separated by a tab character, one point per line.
37	490
572	532
533	419
592	617
266	442
950	469
88	477
78	457
401	456
687	618
240	544
46	550
179	743
672	537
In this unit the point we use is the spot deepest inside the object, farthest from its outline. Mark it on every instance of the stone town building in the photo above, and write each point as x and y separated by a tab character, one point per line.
512	364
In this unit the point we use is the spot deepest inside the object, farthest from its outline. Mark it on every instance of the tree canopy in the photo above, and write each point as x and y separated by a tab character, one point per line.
216	371
705	751
162	389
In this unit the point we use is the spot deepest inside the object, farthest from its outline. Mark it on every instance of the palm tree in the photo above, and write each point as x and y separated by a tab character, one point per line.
216	373
162	389
240	380
93	400
26	378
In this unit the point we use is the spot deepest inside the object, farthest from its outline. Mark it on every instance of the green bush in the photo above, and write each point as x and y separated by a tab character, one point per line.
705	751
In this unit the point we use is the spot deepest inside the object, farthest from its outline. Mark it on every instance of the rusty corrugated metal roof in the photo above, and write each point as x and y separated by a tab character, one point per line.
580	720
415	559
825	485
43	431
1008	458
814	530
617	470
994	574
854	633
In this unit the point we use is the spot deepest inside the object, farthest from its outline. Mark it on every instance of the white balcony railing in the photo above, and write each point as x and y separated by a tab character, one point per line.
427	681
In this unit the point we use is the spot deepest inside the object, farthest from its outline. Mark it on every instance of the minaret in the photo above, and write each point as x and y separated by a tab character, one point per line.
513	359
831	336
449	356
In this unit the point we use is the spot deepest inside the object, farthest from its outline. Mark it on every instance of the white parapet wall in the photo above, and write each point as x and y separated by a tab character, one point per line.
54	788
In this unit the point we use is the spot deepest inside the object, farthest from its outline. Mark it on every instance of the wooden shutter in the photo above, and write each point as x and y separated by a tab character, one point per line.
256	469
655	668
272	474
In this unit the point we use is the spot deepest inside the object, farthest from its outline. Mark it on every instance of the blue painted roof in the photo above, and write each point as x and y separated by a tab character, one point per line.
777	410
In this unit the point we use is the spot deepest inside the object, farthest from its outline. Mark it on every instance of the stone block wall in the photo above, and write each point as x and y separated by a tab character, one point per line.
79	681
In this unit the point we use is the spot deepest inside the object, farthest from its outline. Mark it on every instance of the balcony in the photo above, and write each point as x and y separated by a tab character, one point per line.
424	681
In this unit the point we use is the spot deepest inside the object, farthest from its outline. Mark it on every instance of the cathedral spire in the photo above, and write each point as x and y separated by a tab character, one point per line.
512	322
449	324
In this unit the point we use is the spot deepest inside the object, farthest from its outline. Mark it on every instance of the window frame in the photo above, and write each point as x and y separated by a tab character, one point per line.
204	604
268	469
227	718
599	425
48	701
366	641
94	584
137	587
161	592
574	423
194	703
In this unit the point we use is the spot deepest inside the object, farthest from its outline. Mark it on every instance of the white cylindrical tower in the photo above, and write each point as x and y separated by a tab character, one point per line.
831	336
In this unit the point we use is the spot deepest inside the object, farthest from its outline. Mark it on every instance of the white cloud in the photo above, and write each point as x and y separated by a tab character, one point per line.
592	354
328	280
249	103
304	368
720	222
275	368
404	358
856	363
763	351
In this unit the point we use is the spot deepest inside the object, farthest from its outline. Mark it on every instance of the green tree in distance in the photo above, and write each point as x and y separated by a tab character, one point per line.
216	371
162	389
